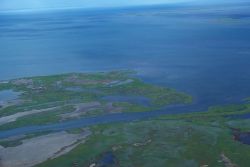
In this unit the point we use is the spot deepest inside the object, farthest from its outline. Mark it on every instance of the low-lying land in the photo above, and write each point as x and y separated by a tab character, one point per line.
196	140
218	137
51	99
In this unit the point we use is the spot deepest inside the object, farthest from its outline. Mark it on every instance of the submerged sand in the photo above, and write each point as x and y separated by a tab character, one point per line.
39	149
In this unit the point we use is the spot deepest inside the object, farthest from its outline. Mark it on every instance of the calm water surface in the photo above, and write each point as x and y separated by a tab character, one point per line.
204	51
7	95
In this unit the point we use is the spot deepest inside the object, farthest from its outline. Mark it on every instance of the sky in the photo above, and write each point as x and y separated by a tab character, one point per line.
6	5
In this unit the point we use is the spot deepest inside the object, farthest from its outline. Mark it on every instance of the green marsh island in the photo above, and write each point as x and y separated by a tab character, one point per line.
115	119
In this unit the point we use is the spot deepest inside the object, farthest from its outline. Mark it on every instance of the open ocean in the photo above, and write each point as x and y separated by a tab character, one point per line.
204	51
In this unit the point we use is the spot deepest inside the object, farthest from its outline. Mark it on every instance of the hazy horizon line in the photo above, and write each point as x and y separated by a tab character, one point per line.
29	10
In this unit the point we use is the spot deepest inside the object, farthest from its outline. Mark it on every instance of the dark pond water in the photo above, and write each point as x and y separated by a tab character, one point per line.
107	159
240	116
243	137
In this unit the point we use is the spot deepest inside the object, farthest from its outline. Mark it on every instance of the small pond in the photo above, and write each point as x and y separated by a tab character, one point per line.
107	159
8	95
243	137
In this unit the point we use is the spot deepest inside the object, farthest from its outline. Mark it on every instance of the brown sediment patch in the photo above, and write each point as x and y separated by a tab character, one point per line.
109	108
119	82
80	80
27	82
115	148
142	144
39	149
227	162
86	106
14	117
82	109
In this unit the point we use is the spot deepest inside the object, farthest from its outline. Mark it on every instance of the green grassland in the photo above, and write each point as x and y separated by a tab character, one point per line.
52	91
198	139
195	140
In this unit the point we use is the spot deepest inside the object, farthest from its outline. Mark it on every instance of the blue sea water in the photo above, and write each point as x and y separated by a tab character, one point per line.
201	50
204	51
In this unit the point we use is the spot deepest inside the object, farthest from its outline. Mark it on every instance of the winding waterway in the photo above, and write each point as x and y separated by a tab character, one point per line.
108	118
